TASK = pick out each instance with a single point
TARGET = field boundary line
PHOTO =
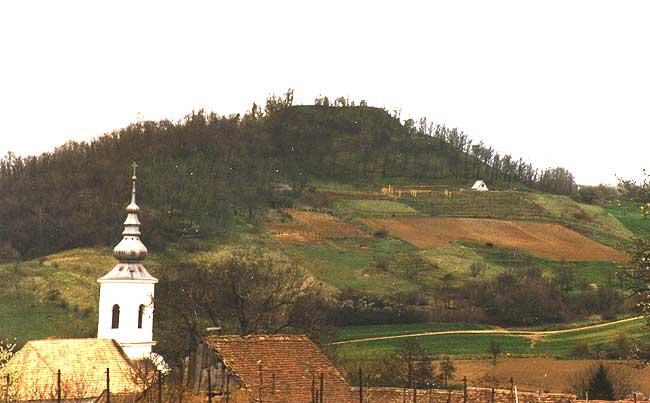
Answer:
(505, 332)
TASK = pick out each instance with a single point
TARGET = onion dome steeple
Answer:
(131, 248)
(126, 293)
(130, 251)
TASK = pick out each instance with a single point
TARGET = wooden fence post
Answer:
(58, 386)
(322, 387)
(210, 385)
(360, 386)
(464, 389)
(160, 386)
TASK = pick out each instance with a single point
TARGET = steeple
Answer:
(126, 292)
(131, 249)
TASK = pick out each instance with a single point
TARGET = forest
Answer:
(198, 173)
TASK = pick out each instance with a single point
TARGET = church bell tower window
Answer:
(115, 320)
(140, 315)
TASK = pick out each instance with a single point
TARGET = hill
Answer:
(57, 294)
(310, 184)
(201, 172)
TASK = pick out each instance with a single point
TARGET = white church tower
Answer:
(126, 292)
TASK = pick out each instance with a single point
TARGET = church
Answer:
(77, 368)
(127, 291)
(92, 370)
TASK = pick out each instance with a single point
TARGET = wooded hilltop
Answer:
(198, 172)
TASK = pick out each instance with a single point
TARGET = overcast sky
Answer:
(559, 83)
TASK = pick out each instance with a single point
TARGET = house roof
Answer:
(288, 365)
(82, 362)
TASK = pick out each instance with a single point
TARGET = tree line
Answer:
(198, 173)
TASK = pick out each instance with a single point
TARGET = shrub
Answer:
(581, 350)
(381, 233)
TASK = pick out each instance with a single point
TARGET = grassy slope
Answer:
(354, 263)
(629, 214)
(592, 221)
(57, 295)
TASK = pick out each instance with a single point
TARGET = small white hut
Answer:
(480, 186)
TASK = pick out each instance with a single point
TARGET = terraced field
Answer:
(541, 239)
(504, 204)
(373, 208)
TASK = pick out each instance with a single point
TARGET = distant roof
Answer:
(479, 184)
(82, 362)
(290, 360)
(133, 272)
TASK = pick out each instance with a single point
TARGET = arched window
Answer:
(140, 316)
(115, 321)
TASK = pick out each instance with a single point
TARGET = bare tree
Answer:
(247, 290)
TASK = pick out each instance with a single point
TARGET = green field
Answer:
(592, 221)
(498, 205)
(372, 208)
(629, 214)
(560, 344)
(361, 264)
(461, 344)
(361, 332)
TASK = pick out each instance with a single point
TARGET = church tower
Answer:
(126, 292)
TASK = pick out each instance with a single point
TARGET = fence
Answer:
(160, 388)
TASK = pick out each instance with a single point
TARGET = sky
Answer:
(559, 83)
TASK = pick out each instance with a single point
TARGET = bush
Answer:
(581, 350)
(381, 233)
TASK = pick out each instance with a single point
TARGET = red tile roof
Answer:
(288, 366)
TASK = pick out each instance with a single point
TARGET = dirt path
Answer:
(532, 334)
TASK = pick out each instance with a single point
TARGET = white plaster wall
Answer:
(129, 295)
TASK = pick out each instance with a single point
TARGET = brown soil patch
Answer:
(541, 373)
(541, 239)
(310, 227)
(326, 226)
(291, 233)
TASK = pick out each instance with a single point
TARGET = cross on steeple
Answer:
(135, 167)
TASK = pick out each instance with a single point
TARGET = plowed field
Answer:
(325, 225)
(545, 240)
(311, 227)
